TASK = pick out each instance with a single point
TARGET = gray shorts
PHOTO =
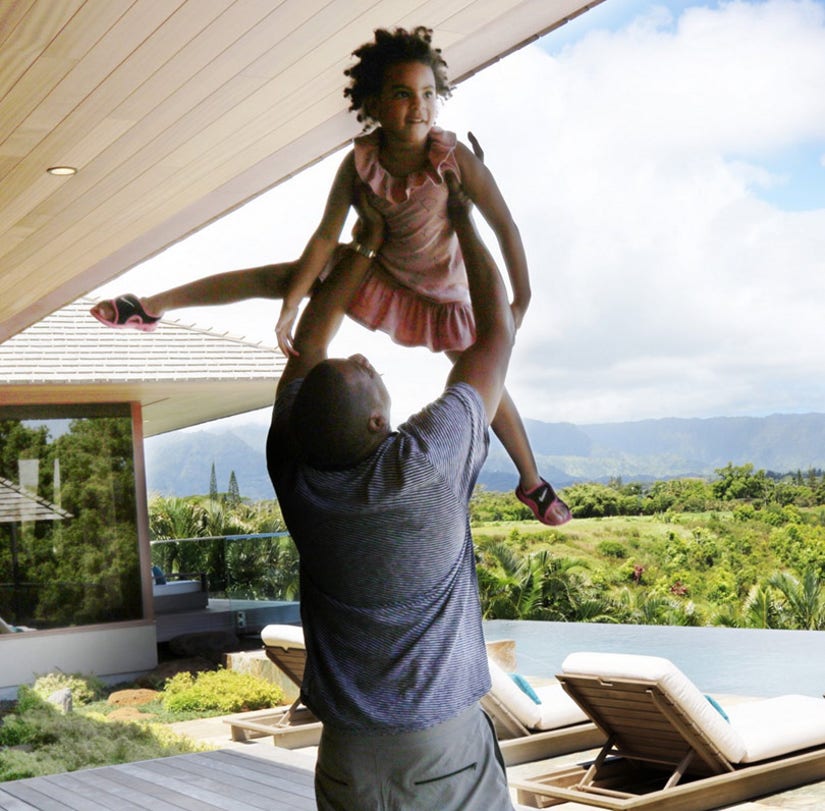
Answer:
(455, 766)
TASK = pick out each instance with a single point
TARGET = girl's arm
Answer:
(323, 315)
(318, 251)
(479, 183)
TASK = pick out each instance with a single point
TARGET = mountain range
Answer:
(180, 463)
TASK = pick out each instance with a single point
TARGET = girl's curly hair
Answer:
(390, 48)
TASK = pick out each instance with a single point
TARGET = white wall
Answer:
(112, 652)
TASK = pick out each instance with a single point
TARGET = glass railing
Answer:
(259, 566)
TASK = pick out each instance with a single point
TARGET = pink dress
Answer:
(416, 291)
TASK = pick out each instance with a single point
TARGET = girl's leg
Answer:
(509, 428)
(267, 281)
(532, 489)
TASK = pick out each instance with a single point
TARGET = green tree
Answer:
(740, 482)
(91, 572)
(233, 494)
(213, 485)
(761, 609)
(170, 519)
(802, 600)
(592, 500)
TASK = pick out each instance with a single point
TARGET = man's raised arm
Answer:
(484, 364)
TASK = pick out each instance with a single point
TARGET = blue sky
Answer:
(665, 163)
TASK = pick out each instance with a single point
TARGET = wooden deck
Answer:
(227, 780)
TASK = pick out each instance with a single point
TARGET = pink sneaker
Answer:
(545, 504)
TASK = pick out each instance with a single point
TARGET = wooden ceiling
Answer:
(174, 112)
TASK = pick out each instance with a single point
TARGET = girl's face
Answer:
(406, 106)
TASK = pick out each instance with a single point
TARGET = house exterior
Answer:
(124, 127)
(76, 401)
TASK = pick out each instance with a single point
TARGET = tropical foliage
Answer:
(242, 547)
(746, 549)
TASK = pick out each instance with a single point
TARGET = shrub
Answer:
(219, 691)
(85, 689)
(49, 742)
(612, 549)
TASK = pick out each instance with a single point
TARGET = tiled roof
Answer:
(70, 346)
(18, 504)
(181, 374)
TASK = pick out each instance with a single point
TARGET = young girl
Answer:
(416, 289)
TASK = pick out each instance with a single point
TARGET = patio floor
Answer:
(227, 780)
(249, 775)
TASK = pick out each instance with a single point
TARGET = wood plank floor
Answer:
(226, 780)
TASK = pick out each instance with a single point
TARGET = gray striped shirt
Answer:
(389, 597)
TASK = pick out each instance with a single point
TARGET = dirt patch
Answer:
(132, 698)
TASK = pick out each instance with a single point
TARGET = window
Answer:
(68, 531)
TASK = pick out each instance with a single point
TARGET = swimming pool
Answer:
(719, 660)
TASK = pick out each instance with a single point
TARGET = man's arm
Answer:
(484, 364)
(325, 311)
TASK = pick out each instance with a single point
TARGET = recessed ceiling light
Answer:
(62, 170)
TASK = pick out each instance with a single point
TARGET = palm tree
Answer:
(562, 592)
(169, 519)
(498, 566)
(760, 609)
(639, 607)
(803, 601)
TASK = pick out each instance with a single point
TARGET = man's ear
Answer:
(378, 423)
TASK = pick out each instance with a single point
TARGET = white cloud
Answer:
(662, 284)
(633, 161)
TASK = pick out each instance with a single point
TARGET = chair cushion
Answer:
(557, 709)
(283, 636)
(678, 687)
(525, 687)
(777, 726)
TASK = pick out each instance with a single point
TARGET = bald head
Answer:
(341, 412)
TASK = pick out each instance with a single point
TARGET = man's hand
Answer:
(518, 314)
(459, 204)
(479, 152)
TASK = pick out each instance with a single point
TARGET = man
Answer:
(396, 661)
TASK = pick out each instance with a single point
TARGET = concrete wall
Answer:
(114, 653)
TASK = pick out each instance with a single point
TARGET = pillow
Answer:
(525, 687)
(716, 706)
(283, 636)
(505, 691)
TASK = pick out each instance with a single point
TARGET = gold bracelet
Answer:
(363, 250)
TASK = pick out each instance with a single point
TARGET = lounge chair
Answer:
(671, 748)
(5, 628)
(529, 731)
(291, 727)
(526, 730)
